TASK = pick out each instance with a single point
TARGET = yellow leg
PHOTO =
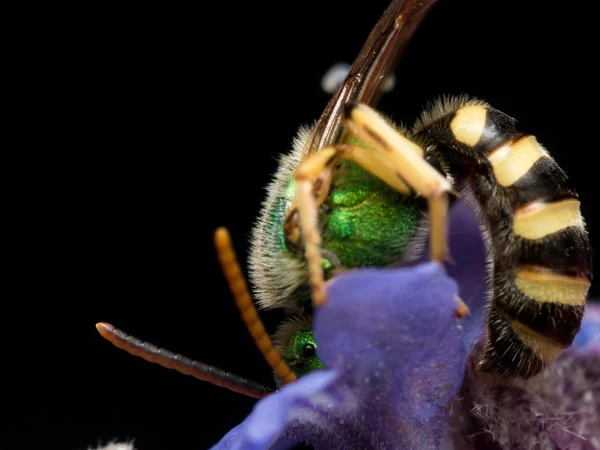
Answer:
(398, 162)
(406, 158)
(438, 218)
(313, 178)
(312, 240)
(461, 307)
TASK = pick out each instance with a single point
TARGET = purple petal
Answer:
(469, 267)
(588, 338)
(397, 355)
(272, 414)
(395, 339)
(396, 351)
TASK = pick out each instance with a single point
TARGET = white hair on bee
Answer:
(442, 106)
(274, 273)
(336, 74)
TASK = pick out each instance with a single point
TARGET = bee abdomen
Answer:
(542, 253)
(548, 302)
(513, 348)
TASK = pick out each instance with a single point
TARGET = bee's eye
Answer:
(308, 350)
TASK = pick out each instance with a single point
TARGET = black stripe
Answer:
(566, 250)
(439, 131)
(439, 134)
(556, 321)
(499, 129)
(505, 353)
(544, 181)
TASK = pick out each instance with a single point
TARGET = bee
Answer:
(358, 191)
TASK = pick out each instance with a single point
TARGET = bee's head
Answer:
(295, 341)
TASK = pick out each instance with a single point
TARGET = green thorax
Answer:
(366, 223)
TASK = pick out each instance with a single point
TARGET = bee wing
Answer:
(376, 60)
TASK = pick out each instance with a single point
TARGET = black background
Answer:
(130, 132)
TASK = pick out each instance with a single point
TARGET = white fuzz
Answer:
(275, 275)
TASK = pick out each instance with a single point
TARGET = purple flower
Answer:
(588, 338)
(396, 355)
(560, 409)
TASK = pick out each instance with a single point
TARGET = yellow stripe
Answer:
(546, 286)
(513, 160)
(540, 345)
(468, 124)
(539, 219)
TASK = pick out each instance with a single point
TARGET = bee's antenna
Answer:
(245, 304)
(180, 363)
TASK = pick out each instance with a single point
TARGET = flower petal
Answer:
(396, 351)
(271, 415)
(588, 338)
(395, 339)
(469, 267)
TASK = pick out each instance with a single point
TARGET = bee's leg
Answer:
(313, 178)
(406, 159)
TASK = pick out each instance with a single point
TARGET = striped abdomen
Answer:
(542, 254)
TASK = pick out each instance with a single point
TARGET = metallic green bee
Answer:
(278, 267)
(359, 191)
